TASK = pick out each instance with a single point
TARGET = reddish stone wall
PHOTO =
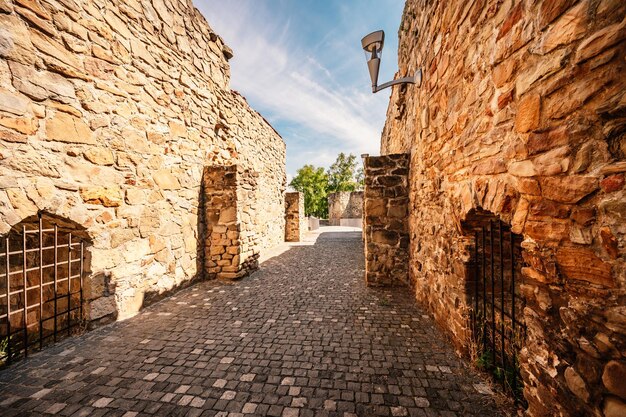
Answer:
(385, 223)
(521, 113)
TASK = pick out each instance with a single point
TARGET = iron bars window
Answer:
(41, 287)
(497, 323)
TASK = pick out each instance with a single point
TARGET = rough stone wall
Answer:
(521, 113)
(296, 224)
(109, 112)
(385, 228)
(344, 205)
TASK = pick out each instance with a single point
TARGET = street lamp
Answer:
(373, 47)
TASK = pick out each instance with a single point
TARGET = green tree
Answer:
(313, 183)
(342, 174)
(360, 179)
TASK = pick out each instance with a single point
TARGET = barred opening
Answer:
(42, 267)
(494, 279)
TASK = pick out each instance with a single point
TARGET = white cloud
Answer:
(290, 85)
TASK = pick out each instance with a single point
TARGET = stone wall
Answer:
(109, 112)
(521, 114)
(385, 228)
(296, 224)
(344, 205)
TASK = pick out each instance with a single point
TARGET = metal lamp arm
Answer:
(416, 79)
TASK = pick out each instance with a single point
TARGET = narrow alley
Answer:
(303, 336)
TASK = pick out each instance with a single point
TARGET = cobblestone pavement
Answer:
(301, 337)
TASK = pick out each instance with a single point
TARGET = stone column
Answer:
(231, 247)
(295, 222)
(385, 220)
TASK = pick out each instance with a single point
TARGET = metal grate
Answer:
(497, 325)
(41, 288)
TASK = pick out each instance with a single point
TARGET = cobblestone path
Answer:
(301, 337)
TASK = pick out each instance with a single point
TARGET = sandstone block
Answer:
(528, 113)
(106, 196)
(136, 249)
(101, 307)
(578, 263)
(385, 237)
(135, 196)
(99, 156)
(568, 189)
(612, 183)
(15, 41)
(121, 236)
(63, 127)
(40, 85)
(547, 230)
(543, 141)
(609, 242)
(601, 40)
(522, 168)
(228, 215)
(24, 125)
(614, 377)
(502, 73)
(550, 10)
(576, 384)
(570, 26)
(614, 407)
(22, 205)
(165, 180)
(12, 103)
(139, 50)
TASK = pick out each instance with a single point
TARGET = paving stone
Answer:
(194, 362)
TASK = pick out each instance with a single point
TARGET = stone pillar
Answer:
(231, 247)
(295, 222)
(385, 221)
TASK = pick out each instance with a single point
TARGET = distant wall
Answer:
(345, 205)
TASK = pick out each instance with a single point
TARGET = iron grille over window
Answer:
(41, 287)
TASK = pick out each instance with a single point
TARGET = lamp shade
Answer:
(374, 42)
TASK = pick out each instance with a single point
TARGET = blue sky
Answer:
(300, 63)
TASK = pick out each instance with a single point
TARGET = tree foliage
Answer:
(313, 183)
(341, 175)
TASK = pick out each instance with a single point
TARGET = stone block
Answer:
(578, 263)
(106, 196)
(63, 127)
(613, 378)
(102, 307)
(528, 113)
(568, 189)
(166, 180)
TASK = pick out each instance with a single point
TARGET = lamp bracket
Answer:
(415, 79)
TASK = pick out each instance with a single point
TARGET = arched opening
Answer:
(493, 288)
(43, 265)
